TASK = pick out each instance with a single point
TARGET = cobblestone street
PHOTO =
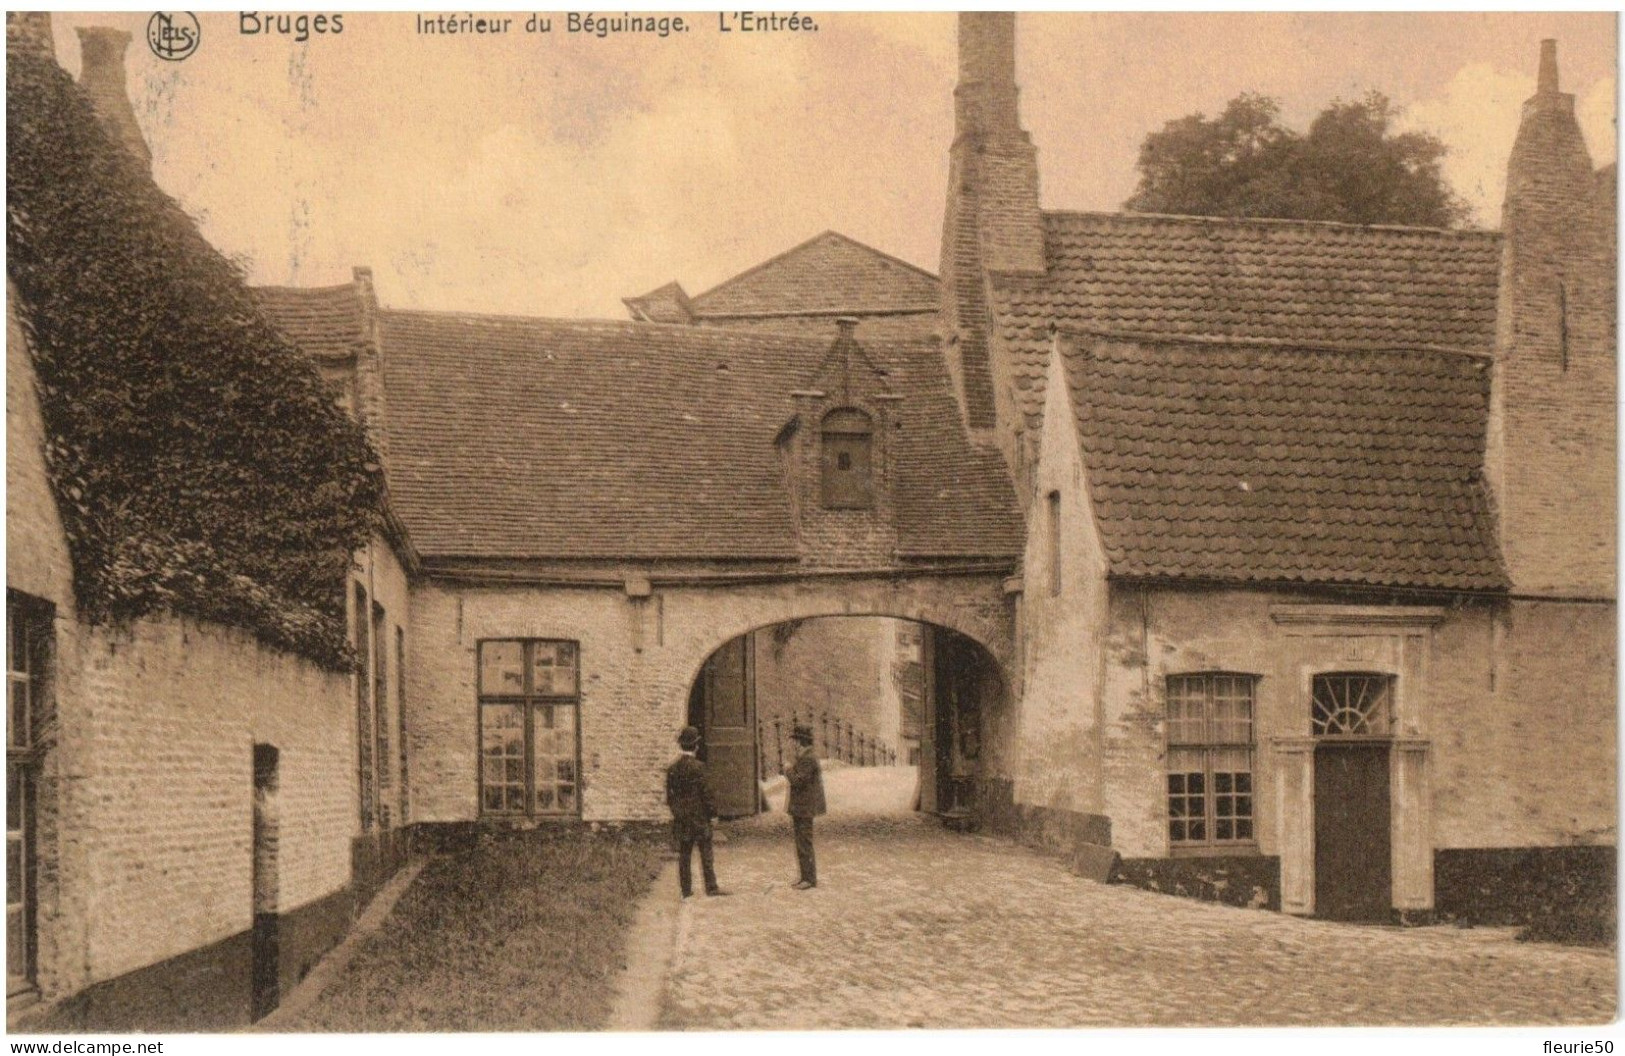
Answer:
(913, 926)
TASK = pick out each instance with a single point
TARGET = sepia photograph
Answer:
(658, 522)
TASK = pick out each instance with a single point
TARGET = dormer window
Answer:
(848, 442)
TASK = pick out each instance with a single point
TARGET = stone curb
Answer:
(651, 944)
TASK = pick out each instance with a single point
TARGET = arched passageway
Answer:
(916, 699)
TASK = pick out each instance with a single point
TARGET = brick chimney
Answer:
(30, 31)
(1550, 458)
(371, 405)
(102, 77)
(992, 222)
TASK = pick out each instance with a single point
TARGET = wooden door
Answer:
(265, 954)
(1353, 879)
(729, 728)
(930, 709)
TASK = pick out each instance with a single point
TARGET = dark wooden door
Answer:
(1352, 864)
(729, 728)
(265, 950)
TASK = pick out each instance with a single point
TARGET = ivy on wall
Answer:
(198, 461)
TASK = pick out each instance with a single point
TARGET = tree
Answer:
(1348, 167)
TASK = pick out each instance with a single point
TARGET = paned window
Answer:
(848, 439)
(1352, 704)
(363, 709)
(380, 717)
(529, 698)
(400, 714)
(1210, 759)
(28, 644)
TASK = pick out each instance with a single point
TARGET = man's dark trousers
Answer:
(804, 849)
(685, 863)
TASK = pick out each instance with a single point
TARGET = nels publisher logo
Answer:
(173, 35)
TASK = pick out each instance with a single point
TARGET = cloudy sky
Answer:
(555, 174)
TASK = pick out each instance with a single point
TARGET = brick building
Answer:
(194, 816)
(856, 681)
(1318, 602)
(1273, 558)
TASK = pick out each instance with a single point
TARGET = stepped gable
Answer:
(522, 438)
(1307, 282)
(1232, 463)
(324, 321)
(829, 274)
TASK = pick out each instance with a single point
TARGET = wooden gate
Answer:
(724, 709)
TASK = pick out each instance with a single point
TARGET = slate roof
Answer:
(1322, 284)
(325, 321)
(1226, 462)
(540, 438)
(829, 274)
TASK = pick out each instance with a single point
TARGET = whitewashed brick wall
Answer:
(173, 710)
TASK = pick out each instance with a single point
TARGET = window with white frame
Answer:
(1210, 759)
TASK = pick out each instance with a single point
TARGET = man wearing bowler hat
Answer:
(806, 803)
(689, 798)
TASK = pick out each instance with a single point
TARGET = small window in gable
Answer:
(848, 443)
(1055, 582)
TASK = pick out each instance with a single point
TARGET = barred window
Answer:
(1210, 759)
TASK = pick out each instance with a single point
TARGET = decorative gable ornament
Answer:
(840, 458)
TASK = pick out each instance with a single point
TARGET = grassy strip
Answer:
(524, 932)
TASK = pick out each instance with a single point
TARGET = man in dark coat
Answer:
(806, 802)
(689, 797)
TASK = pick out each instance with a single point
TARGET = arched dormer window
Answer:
(848, 454)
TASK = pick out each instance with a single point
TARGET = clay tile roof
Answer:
(668, 304)
(1311, 283)
(1274, 464)
(325, 321)
(830, 274)
(541, 438)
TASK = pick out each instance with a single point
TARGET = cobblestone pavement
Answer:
(914, 926)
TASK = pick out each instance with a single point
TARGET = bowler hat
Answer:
(802, 734)
(689, 739)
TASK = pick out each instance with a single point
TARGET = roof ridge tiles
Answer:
(335, 289)
(627, 326)
(827, 233)
(1267, 221)
(1284, 344)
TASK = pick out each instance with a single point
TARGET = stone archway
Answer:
(874, 692)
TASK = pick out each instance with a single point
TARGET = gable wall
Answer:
(1552, 436)
(1061, 634)
(872, 329)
